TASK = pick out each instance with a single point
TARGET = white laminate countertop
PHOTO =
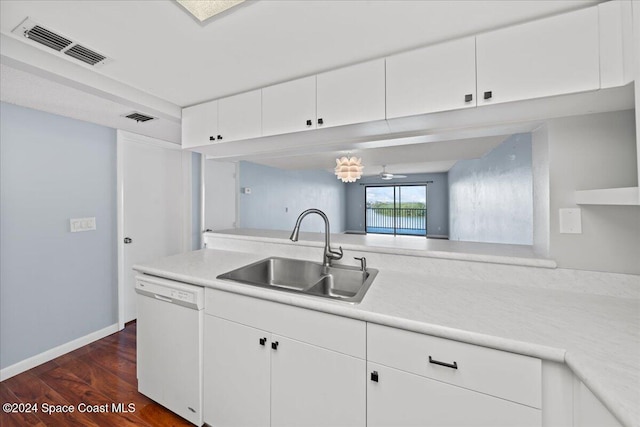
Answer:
(597, 336)
(403, 245)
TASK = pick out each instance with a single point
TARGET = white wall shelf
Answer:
(609, 196)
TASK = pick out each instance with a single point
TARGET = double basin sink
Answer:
(342, 283)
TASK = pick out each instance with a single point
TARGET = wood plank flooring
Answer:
(101, 373)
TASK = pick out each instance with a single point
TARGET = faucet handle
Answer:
(363, 262)
(336, 254)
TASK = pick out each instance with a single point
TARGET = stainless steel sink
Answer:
(291, 275)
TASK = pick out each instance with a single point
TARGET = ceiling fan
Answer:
(387, 176)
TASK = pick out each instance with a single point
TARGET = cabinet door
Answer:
(588, 411)
(436, 78)
(236, 374)
(240, 116)
(551, 56)
(289, 107)
(399, 398)
(351, 95)
(312, 386)
(199, 124)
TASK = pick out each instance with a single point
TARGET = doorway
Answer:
(396, 209)
(154, 210)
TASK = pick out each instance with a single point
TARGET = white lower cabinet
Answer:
(254, 375)
(421, 380)
(312, 386)
(588, 411)
(236, 375)
(272, 364)
(398, 398)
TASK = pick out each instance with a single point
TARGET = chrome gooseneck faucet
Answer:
(329, 255)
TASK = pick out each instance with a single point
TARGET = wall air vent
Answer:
(53, 40)
(139, 117)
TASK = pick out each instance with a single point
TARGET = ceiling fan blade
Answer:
(399, 176)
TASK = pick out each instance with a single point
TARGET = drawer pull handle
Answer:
(263, 341)
(374, 376)
(448, 365)
(274, 345)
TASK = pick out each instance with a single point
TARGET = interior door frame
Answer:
(124, 137)
(203, 196)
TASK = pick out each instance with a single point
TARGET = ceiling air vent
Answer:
(139, 117)
(85, 55)
(46, 37)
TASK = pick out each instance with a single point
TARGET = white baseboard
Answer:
(39, 359)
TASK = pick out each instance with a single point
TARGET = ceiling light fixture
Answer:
(348, 169)
(205, 9)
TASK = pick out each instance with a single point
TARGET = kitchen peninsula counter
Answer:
(596, 335)
(402, 245)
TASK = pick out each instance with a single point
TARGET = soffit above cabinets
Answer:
(32, 91)
(175, 59)
(413, 158)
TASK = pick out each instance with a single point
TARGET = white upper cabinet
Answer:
(435, 78)
(289, 107)
(551, 56)
(199, 124)
(351, 95)
(616, 43)
(240, 116)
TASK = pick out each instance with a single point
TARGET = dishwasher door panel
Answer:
(170, 356)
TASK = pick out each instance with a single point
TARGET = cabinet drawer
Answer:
(509, 376)
(399, 398)
(329, 331)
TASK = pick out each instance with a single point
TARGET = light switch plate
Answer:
(82, 224)
(570, 221)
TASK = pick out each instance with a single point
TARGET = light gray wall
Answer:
(279, 196)
(196, 200)
(55, 286)
(491, 198)
(585, 153)
(437, 201)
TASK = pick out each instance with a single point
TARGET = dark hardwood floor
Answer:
(100, 374)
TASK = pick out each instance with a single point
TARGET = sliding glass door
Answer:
(396, 209)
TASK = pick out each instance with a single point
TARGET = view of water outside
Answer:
(396, 209)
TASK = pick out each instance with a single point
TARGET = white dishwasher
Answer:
(169, 341)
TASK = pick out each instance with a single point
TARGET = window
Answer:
(396, 209)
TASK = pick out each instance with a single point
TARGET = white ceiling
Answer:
(159, 49)
(162, 59)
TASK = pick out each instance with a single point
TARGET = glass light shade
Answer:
(348, 169)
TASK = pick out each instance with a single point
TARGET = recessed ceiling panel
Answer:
(203, 10)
